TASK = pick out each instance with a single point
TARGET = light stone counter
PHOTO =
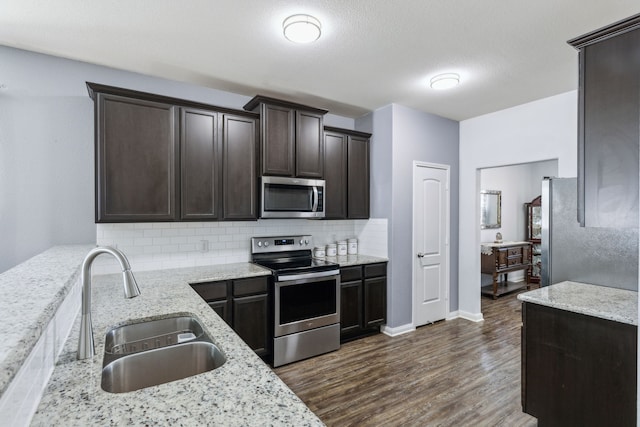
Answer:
(614, 304)
(348, 260)
(31, 293)
(242, 392)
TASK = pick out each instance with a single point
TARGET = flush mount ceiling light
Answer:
(301, 28)
(445, 81)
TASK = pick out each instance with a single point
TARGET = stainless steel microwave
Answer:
(283, 197)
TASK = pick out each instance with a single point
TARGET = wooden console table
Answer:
(501, 259)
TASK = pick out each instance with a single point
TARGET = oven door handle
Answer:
(313, 275)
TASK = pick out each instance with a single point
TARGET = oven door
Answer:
(306, 303)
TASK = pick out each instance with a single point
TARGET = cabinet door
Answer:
(309, 145)
(251, 322)
(358, 178)
(223, 310)
(350, 307)
(200, 164)
(239, 166)
(375, 301)
(609, 147)
(335, 166)
(136, 154)
(277, 140)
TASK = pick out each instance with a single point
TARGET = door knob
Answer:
(421, 255)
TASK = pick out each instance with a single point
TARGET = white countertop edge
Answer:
(619, 305)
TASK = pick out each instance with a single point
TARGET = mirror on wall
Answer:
(490, 207)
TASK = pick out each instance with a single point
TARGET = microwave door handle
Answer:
(314, 199)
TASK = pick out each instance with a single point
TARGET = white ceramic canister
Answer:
(318, 252)
(342, 247)
(352, 246)
(331, 249)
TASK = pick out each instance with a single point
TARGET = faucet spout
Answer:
(86, 346)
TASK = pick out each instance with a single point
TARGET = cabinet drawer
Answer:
(514, 260)
(348, 274)
(515, 251)
(251, 286)
(375, 270)
(211, 291)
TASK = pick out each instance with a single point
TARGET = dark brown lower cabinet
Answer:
(577, 370)
(363, 300)
(244, 305)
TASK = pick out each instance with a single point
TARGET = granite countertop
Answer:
(31, 294)
(244, 391)
(619, 305)
(348, 260)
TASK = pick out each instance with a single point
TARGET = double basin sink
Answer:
(155, 352)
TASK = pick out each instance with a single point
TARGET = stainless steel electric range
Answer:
(306, 298)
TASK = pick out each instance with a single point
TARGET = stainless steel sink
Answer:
(152, 334)
(157, 352)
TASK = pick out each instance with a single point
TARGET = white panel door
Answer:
(430, 243)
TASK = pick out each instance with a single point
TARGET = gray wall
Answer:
(414, 135)
(46, 146)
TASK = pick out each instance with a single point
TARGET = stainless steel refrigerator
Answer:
(599, 256)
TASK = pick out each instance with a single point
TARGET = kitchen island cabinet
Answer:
(579, 355)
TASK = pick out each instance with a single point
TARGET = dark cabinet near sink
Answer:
(244, 305)
(167, 159)
(136, 155)
(363, 299)
(346, 159)
(291, 139)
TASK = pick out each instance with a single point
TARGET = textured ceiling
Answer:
(371, 53)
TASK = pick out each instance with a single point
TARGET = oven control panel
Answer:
(280, 243)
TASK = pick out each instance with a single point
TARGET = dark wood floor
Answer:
(452, 373)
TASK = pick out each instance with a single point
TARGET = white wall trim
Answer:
(453, 315)
(397, 330)
(474, 317)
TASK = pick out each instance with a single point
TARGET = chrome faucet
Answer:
(86, 348)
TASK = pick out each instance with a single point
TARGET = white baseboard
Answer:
(398, 330)
(474, 317)
(452, 315)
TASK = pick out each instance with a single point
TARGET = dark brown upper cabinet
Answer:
(167, 159)
(608, 125)
(136, 157)
(239, 165)
(200, 164)
(291, 138)
(347, 173)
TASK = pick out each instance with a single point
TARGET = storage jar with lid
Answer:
(342, 247)
(352, 246)
(331, 249)
(318, 252)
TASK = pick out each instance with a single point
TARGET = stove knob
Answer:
(259, 244)
(306, 241)
(266, 244)
(301, 242)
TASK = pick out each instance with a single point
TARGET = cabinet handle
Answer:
(421, 255)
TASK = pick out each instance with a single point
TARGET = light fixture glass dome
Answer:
(445, 81)
(301, 28)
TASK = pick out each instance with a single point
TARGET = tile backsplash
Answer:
(161, 245)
